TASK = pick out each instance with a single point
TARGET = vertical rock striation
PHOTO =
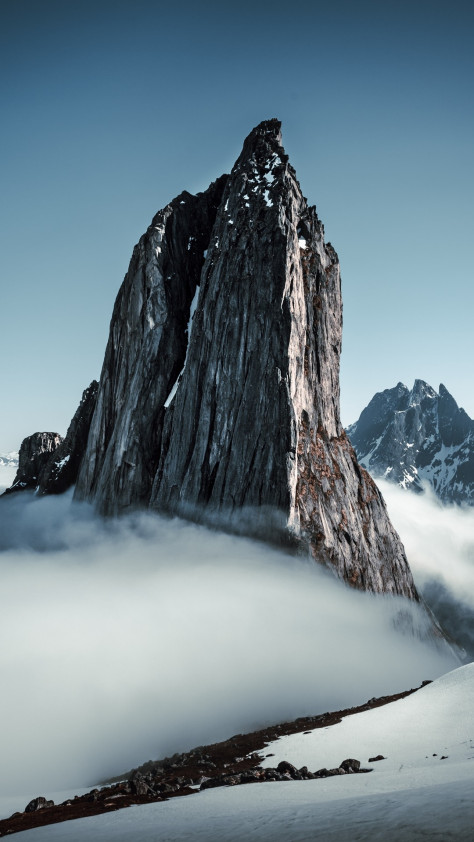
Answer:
(255, 423)
(236, 420)
(145, 352)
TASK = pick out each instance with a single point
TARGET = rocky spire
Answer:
(231, 415)
(253, 436)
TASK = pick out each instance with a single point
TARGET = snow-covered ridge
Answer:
(418, 437)
(422, 789)
(412, 733)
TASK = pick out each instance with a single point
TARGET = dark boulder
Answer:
(350, 765)
(38, 804)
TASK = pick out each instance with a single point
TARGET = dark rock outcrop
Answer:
(38, 804)
(415, 437)
(237, 421)
(35, 453)
(48, 464)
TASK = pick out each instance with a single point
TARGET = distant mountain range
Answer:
(417, 437)
(9, 459)
(8, 468)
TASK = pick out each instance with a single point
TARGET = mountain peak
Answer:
(263, 142)
(422, 437)
(268, 129)
(422, 389)
(219, 393)
(443, 391)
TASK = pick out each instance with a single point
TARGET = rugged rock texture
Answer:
(417, 436)
(62, 468)
(48, 464)
(146, 352)
(34, 455)
(237, 421)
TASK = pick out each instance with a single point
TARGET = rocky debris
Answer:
(418, 436)
(379, 756)
(219, 392)
(48, 464)
(38, 804)
(234, 761)
(34, 455)
(284, 772)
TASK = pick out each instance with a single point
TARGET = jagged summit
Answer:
(268, 131)
(416, 437)
(421, 390)
(219, 394)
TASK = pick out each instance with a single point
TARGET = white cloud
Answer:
(128, 640)
(439, 542)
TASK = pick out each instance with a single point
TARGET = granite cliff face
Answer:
(418, 436)
(219, 394)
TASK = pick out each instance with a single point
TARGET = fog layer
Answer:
(439, 542)
(132, 639)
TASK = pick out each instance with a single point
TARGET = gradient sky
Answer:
(110, 109)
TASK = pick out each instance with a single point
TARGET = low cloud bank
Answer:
(132, 639)
(439, 542)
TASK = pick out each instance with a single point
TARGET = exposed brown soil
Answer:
(175, 776)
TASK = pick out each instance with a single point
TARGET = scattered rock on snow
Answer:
(38, 804)
(350, 765)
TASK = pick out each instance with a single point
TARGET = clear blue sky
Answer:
(110, 109)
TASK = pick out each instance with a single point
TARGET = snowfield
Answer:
(413, 794)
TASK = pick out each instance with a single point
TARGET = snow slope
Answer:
(411, 795)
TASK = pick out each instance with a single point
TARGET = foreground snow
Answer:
(412, 794)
